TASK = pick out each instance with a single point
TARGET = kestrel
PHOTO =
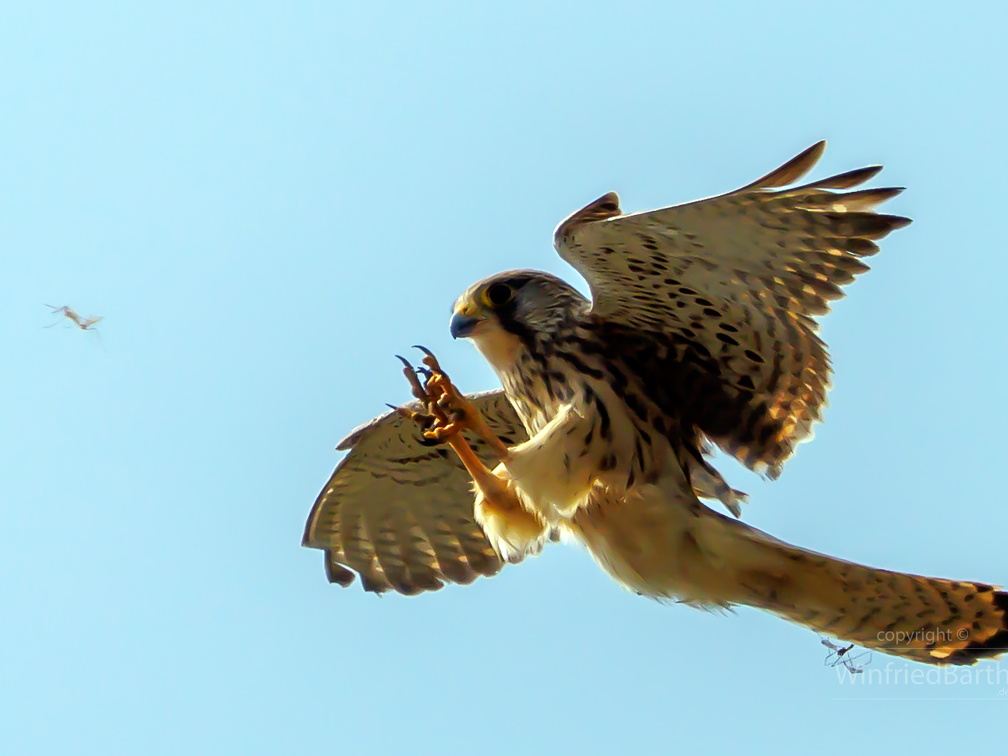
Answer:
(700, 332)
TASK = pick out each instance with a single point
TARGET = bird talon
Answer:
(423, 441)
(430, 360)
(420, 418)
(446, 411)
(418, 390)
(442, 419)
(443, 432)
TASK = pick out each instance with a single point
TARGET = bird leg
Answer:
(457, 411)
(446, 414)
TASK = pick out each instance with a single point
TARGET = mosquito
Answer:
(840, 656)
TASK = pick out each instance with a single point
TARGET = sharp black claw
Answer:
(424, 349)
(391, 406)
(404, 361)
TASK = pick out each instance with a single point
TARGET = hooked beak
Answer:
(462, 325)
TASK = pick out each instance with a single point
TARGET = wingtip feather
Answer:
(791, 171)
(336, 573)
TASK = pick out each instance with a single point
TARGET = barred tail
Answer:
(698, 556)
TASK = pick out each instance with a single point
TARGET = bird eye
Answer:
(498, 294)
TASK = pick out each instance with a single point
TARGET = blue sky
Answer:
(267, 201)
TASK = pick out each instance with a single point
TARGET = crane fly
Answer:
(85, 324)
(841, 656)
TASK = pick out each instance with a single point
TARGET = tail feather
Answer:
(926, 619)
(693, 554)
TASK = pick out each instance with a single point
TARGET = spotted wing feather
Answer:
(400, 514)
(738, 279)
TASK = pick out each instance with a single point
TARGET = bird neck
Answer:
(537, 380)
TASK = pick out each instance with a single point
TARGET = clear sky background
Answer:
(266, 201)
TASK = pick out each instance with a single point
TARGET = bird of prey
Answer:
(701, 332)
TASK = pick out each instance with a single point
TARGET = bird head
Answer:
(507, 311)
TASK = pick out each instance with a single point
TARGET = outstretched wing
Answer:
(731, 284)
(400, 514)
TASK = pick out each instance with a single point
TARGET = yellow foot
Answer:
(446, 407)
(446, 412)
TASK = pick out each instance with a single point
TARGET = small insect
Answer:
(85, 324)
(841, 656)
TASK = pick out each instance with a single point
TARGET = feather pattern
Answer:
(400, 514)
(738, 278)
